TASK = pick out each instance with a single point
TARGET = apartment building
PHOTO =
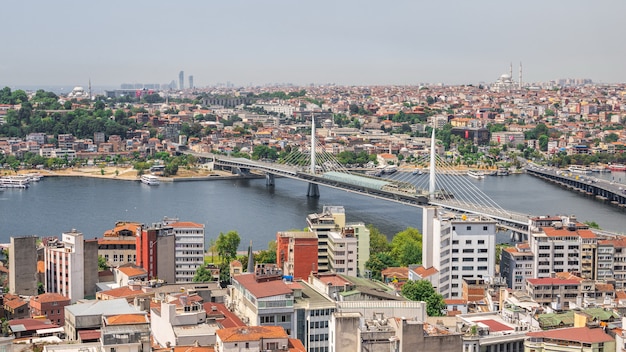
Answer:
(564, 248)
(332, 218)
(23, 265)
(189, 249)
(49, 305)
(458, 247)
(71, 266)
(296, 253)
(118, 245)
(342, 251)
(516, 265)
(262, 298)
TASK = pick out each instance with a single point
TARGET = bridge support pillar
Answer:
(313, 191)
(269, 180)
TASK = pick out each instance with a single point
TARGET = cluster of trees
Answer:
(404, 249)
(352, 158)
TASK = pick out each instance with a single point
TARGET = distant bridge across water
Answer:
(436, 184)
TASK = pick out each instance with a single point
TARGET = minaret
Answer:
(90, 89)
(250, 259)
(511, 70)
(520, 75)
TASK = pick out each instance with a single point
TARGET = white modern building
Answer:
(458, 247)
(333, 219)
(71, 266)
(342, 251)
(189, 249)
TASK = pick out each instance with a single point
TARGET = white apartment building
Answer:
(189, 249)
(64, 266)
(459, 247)
(555, 250)
(333, 218)
(342, 251)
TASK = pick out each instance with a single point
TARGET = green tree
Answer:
(422, 290)
(592, 224)
(227, 245)
(379, 262)
(102, 263)
(202, 275)
(267, 255)
(406, 247)
(378, 241)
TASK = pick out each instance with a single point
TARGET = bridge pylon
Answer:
(313, 191)
(269, 180)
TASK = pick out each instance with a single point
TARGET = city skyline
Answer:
(344, 43)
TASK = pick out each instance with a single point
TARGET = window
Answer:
(468, 241)
(481, 241)
(484, 228)
(468, 228)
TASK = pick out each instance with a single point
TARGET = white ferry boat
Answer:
(14, 182)
(579, 169)
(150, 180)
(476, 174)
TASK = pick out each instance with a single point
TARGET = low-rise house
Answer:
(125, 332)
(88, 315)
(256, 339)
(569, 339)
(49, 305)
(182, 322)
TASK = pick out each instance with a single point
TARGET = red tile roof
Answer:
(262, 289)
(495, 326)
(222, 315)
(251, 333)
(563, 232)
(186, 224)
(123, 319)
(425, 272)
(584, 334)
(553, 281)
(89, 335)
(50, 297)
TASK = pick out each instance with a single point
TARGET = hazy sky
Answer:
(287, 41)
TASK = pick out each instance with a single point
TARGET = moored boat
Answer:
(476, 174)
(579, 169)
(150, 180)
(14, 182)
(617, 167)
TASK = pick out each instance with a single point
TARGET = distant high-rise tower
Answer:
(190, 81)
(181, 80)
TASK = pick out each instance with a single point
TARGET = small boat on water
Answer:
(617, 167)
(476, 174)
(150, 180)
(502, 171)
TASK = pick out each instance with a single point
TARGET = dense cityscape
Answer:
(336, 285)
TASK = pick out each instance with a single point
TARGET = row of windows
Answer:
(470, 241)
(130, 257)
(318, 324)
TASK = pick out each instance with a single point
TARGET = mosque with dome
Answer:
(506, 83)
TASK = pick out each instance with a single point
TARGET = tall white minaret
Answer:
(520, 75)
(511, 70)
(90, 96)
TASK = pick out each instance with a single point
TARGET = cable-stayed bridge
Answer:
(433, 182)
